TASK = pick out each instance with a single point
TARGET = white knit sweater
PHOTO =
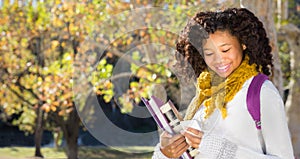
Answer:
(236, 136)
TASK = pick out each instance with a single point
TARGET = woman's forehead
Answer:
(220, 39)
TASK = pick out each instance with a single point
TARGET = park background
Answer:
(60, 57)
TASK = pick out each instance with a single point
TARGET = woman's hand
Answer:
(173, 146)
(193, 136)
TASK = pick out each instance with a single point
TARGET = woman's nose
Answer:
(218, 58)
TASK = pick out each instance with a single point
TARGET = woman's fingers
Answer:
(176, 137)
(166, 139)
(194, 131)
(193, 137)
(173, 147)
(182, 148)
(177, 143)
(177, 148)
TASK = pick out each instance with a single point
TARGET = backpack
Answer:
(253, 104)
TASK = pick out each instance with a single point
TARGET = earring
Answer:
(244, 46)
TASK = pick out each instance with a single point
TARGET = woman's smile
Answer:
(223, 68)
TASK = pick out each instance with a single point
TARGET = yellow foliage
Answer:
(57, 2)
(55, 103)
(58, 22)
(54, 44)
(142, 73)
(46, 107)
(63, 44)
(53, 108)
(108, 84)
(67, 95)
(62, 113)
(99, 92)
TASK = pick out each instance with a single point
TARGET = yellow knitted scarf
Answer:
(215, 92)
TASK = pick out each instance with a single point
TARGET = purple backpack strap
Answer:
(253, 98)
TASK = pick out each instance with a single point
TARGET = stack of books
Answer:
(168, 119)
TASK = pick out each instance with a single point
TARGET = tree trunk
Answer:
(35, 45)
(38, 135)
(71, 131)
(292, 36)
(263, 9)
(72, 147)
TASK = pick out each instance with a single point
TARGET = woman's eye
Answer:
(208, 53)
(226, 50)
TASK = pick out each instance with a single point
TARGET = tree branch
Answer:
(19, 96)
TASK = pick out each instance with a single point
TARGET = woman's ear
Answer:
(244, 46)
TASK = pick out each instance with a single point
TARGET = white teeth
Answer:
(223, 68)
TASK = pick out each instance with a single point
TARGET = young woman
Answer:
(226, 50)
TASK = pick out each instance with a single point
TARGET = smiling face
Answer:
(222, 53)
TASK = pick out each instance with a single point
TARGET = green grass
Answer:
(84, 153)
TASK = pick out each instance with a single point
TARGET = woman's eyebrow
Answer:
(207, 49)
(225, 44)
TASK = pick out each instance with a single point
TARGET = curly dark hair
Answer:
(239, 22)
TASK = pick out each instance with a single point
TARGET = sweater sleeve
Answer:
(274, 129)
(217, 147)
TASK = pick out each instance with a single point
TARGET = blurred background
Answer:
(72, 73)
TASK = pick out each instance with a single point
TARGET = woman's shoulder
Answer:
(268, 90)
(269, 95)
(266, 86)
(269, 85)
